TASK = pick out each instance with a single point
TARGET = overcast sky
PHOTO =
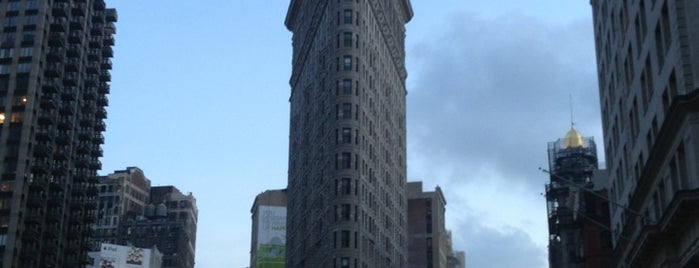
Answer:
(200, 94)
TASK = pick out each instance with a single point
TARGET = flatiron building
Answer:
(347, 200)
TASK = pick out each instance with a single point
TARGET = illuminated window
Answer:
(2, 118)
(17, 117)
(22, 100)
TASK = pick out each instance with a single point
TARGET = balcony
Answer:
(53, 69)
(111, 15)
(46, 117)
(70, 79)
(63, 137)
(50, 85)
(72, 65)
(108, 41)
(65, 123)
(58, 24)
(74, 49)
(94, 54)
(107, 52)
(101, 113)
(105, 76)
(34, 201)
(91, 80)
(98, 139)
(55, 200)
(40, 168)
(57, 185)
(98, 17)
(54, 54)
(31, 234)
(60, 9)
(89, 95)
(92, 67)
(66, 110)
(43, 150)
(47, 102)
(60, 168)
(103, 88)
(79, 9)
(100, 126)
(68, 94)
(102, 101)
(77, 24)
(54, 215)
(99, 5)
(96, 164)
(57, 39)
(44, 134)
(96, 30)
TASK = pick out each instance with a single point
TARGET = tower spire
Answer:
(570, 99)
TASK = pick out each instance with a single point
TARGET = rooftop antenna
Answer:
(570, 98)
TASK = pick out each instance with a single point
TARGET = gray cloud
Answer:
(485, 97)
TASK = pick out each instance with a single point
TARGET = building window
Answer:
(347, 63)
(29, 20)
(26, 52)
(347, 15)
(12, 21)
(28, 36)
(346, 160)
(346, 111)
(345, 242)
(347, 86)
(32, 4)
(5, 69)
(8, 38)
(345, 212)
(346, 187)
(346, 135)
(5, 53)
(347, 39)
(13, 6)
(24, 67)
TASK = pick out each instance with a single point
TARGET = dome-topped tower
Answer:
(573, 139)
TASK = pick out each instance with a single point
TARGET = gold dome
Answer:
(573, 139)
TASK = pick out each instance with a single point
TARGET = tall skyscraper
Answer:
(648, 68)
(578, 214)
(347, 158)
(54, 74)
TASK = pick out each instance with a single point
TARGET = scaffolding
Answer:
(571, 167)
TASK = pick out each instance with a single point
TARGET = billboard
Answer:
(115, 256)
(271, 237)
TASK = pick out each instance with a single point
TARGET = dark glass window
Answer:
(346, 111)
(347, 86)
(346, 135)
(347, 39)
(347, 15)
